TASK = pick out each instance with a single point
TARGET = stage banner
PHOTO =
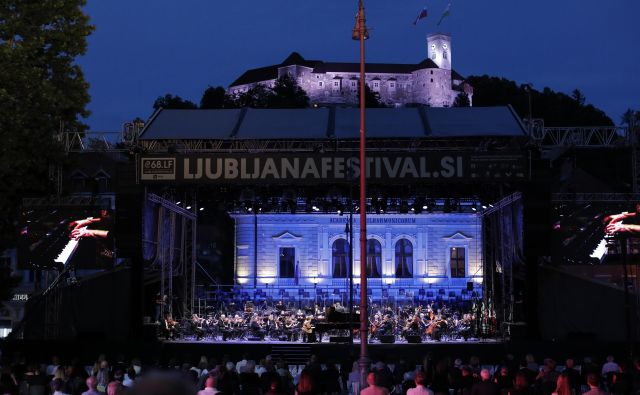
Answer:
(314, 168)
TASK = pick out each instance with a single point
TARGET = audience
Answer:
(273, 376)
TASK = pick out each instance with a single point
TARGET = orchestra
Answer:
(433, 322)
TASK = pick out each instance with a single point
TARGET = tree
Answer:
(578, 96)
(286, 93)
(462, 100)
(371, 98)
(259, 96)
(556, 108)
(169, 101)
(42, 90)
(216, 98)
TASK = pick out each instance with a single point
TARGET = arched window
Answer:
(340, 258)
(404, 259)
(374, 259)
(444, 55)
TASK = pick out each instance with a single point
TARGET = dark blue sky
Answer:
(143, 49)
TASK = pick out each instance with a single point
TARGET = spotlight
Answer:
(201, 208)
(178, 202)
(188, 207)
(249, 209)
(484, 207)
(425, 207)
(340, 212)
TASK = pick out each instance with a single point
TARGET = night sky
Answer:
(143, 49)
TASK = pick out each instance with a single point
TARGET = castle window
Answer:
(353, 84)
(376, 85)
(374, 258)
(320, 84)
(404, 259)
(336, 84)
(431, 72)
(340, 258)
(287, 262)
(433, 55)
(444, 55)
(431, 79)
(392, 85)
(457, 261)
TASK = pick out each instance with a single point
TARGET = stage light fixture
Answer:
(178, 203)
(201, 208)
(484, 207)
(188, 207)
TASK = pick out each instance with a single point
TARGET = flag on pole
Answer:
(444, 14)
(421, 15)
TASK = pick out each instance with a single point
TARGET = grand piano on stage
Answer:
(337, 322)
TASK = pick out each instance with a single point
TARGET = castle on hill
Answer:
(431, 82)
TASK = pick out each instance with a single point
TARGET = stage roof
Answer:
(333, 123)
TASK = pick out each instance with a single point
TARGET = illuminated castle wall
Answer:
(432, 81)
(408, 251)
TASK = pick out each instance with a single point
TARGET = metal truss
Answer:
(584, 137)
(175, 253)
(329, 145)
(595, 197)
(73, 200)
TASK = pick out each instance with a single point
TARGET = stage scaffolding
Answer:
(173, 250)
(503, 257)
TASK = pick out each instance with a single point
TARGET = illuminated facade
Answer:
(406, 252)
(432, 82)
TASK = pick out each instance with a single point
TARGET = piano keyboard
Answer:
(600, 251)
(67, 252)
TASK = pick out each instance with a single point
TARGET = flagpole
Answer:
(364, 363)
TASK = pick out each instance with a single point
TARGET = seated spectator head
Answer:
(355, 367)
(59, 373)
(118, 375)
(131, 372)
(250, 367)
(56, 385)
(161, 384)
(420, 378)
(610, 358)
(520, 382)
(504, 371)
(593, 380)
(210, 382)
(114, 388)
(485, 375)
(457, 363)
(569, 363)
(92, 383)
(371, 378)
(305, 383)
(274, 385)
(466, 371)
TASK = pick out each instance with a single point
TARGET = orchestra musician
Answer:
(307, 330)
(197, 325)
(170, 326)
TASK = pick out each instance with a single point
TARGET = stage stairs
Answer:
(292, 354)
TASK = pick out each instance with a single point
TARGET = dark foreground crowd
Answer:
(269, 376)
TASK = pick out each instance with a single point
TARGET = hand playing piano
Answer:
(81, 223)
(618, 227)
(611, 219)
(84, 232)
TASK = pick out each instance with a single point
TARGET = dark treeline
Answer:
(556, 108)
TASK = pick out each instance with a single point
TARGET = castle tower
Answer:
(439, 49)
